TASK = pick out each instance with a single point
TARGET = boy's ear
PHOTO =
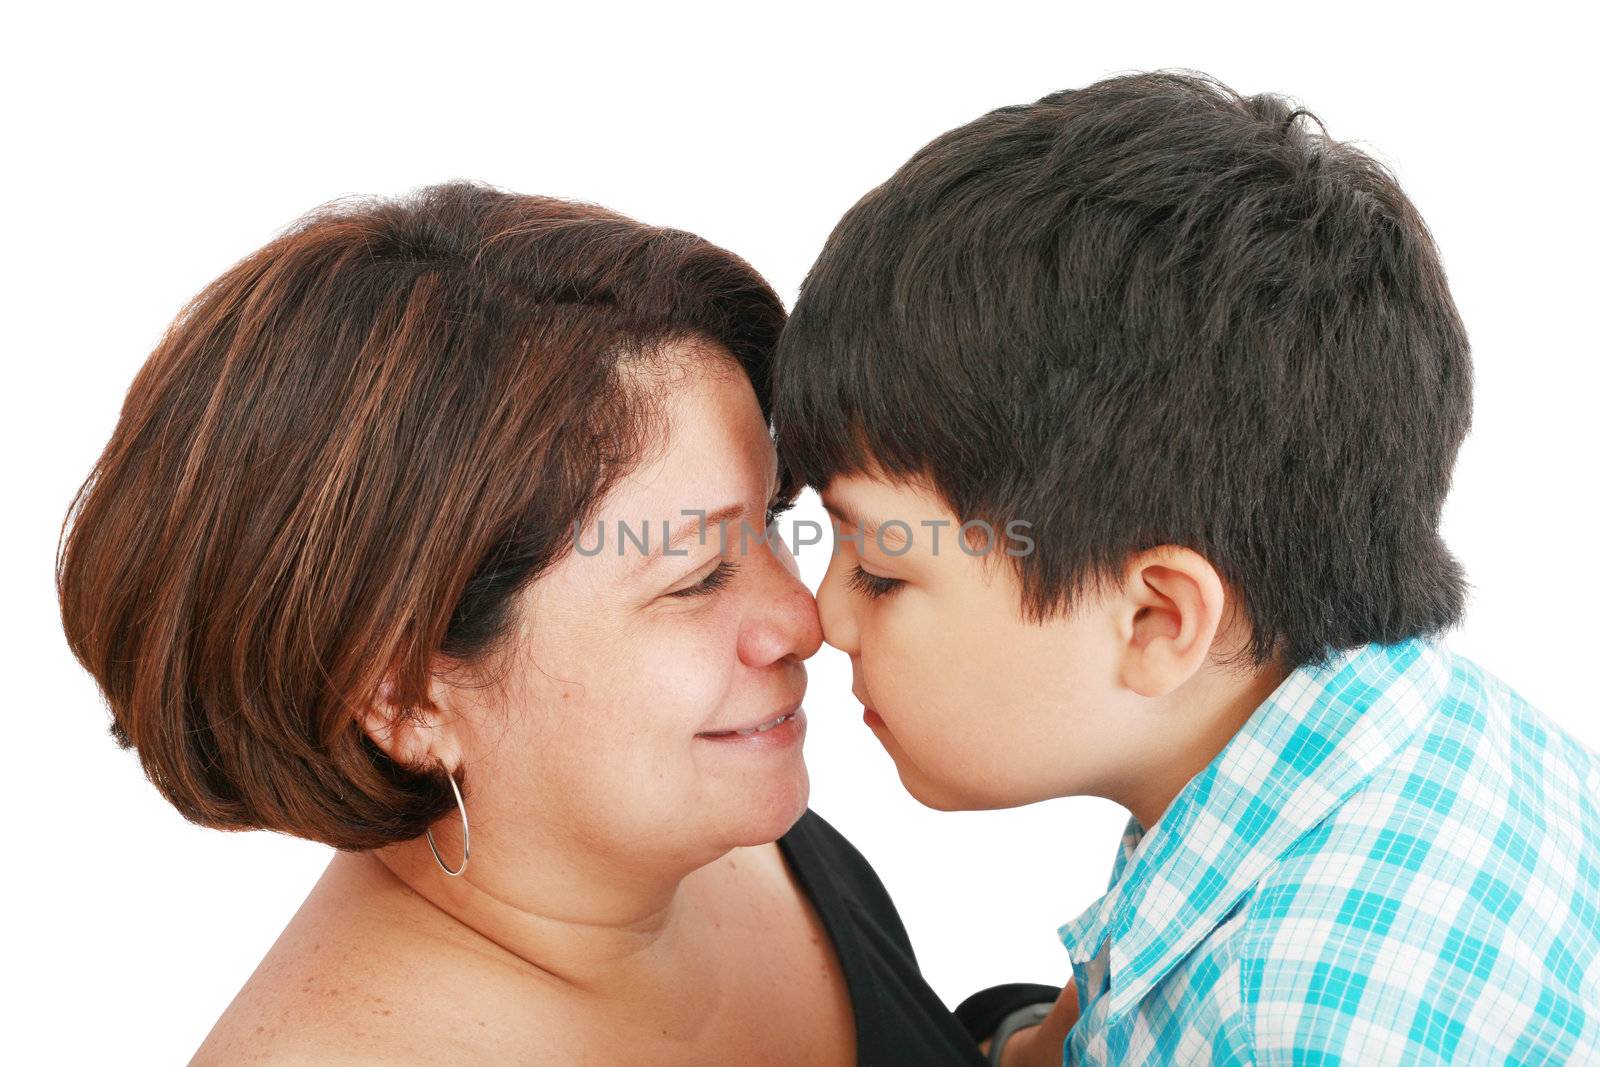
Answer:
(420, 737)
(1172, 605)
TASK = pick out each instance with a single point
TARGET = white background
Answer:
(148, 149)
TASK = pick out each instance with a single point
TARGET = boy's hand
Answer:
(1041, 1046)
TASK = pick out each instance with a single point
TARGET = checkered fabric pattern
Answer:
(1395, 861)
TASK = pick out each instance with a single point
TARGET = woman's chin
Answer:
(762, 815)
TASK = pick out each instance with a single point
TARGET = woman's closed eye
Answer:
(719, 576)
(872, 586)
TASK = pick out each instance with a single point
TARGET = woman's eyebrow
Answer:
(698, 523)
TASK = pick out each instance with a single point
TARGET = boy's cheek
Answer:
(953, 743)
(974, 717)
(926, 787)
(924, 772)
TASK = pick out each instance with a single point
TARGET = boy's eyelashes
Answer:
(872, 586)
(778, 506)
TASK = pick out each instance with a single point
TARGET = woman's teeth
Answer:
(761, 729)
(764, 727)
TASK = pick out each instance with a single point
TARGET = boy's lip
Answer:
(868, 716)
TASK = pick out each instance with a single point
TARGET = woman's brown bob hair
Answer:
(341, 464)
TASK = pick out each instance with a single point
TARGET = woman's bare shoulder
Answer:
(335, 1002)
(355, 986)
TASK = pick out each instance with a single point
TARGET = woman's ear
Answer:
(420, 737)
(1172, 606)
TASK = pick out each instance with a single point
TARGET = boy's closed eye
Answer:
(872, 586)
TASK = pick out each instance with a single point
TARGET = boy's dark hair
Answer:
(1152, 311)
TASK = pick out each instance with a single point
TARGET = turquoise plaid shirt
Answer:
(1395, 861)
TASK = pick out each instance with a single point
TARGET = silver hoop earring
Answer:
(466, 840)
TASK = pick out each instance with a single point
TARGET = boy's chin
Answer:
(944, 793)
(941, 796)
(955, 795)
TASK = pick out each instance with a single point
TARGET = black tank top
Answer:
(899, 1019)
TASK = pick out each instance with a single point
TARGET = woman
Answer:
(353, 567)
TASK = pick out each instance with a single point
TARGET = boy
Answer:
(1179, 381)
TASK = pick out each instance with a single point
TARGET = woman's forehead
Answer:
(715, 448)
(714, 457)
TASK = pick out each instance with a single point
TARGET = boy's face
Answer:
(978, 707)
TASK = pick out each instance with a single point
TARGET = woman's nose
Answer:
(783, 620)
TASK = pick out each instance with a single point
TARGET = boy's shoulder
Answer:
(1451, 903)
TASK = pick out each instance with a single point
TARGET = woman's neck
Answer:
(593, 928)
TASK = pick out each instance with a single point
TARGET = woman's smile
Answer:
(782, 730)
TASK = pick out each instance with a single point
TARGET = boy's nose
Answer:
(836, 611)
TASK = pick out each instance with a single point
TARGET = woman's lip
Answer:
(755, 729)
(870, 717)
(788, 732)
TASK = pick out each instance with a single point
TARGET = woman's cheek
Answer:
(685, 676)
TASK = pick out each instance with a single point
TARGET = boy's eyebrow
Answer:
(891, 537)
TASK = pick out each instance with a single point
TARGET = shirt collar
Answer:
(1320, 735)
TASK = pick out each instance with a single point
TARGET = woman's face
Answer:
(633, 665)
